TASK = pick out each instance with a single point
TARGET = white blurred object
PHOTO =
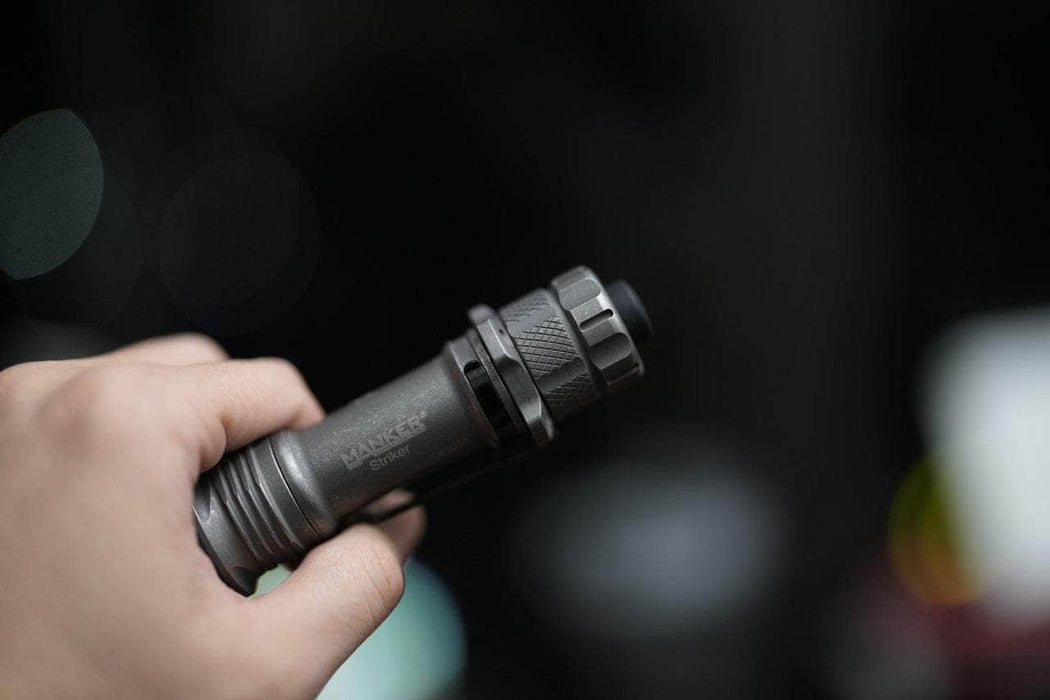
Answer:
(678, 538)
(987, 410)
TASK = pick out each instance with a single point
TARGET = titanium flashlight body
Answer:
(501, 387)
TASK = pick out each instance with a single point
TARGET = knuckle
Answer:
(287, 369)
(23, 374)
(100, 385)
(94, 398)
(202, 345)
(12, 387)
(12, 380)
(22, 384)
(289, 376)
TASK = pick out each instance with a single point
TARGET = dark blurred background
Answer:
(805, 194)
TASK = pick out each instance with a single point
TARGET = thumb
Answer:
(340, 593)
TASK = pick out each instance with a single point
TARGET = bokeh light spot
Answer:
(97, 281)
(51, 182)
(923, 542)
(238, 243)
(680, 539)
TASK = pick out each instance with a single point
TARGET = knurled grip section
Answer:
(552, 355)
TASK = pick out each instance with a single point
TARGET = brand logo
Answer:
(379, 444)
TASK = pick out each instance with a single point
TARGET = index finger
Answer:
(232, 403)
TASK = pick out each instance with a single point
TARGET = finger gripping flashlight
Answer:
(498, 389)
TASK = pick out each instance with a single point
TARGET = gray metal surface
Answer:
(516, 377)
(388, 437)
(610, 347)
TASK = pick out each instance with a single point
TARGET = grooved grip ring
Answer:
(242, 506)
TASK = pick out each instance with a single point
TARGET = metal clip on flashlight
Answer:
(500, 387)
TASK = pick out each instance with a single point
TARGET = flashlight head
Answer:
(578, 339)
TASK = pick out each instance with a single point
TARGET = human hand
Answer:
(103, 588)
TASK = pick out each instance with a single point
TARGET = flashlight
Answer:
(495, 393)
